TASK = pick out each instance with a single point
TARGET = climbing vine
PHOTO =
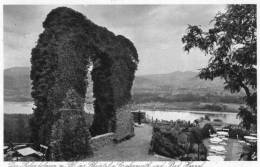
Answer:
(59, 60)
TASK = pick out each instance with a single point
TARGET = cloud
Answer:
(156, 31)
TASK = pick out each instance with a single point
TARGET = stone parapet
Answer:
(101, 140)
(124, 124)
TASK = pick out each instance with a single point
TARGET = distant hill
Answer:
(181, 87)
(17, 84)
(179, 82)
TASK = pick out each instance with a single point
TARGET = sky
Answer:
(155, 30)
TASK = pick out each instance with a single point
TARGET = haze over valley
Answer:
(176, 90)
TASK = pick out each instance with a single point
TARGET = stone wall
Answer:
(100, 141)
(68, 44)
(124, 124)
(124, 130)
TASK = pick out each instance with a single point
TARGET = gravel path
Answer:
(134, 149)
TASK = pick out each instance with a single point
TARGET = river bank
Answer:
(26, 107)
(195, 106)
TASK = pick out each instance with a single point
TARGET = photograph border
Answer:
(114, 163)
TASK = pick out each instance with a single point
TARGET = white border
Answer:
(114, 164)
(78, 2)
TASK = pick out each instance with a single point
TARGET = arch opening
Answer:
(69, 45)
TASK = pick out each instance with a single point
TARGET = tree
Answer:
(231, 43)
(21, 129)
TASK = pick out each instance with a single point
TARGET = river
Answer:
(18, 107)
(188, 115)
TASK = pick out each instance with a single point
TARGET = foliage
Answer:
(59, 64)
(70, 137)
(237, 132)
(249, 153)
(103, 96)
(144, 97)
(179, 140)
(206, 130)
(113, 76)
(69, 134)
(16, 128)
(231, 43)
(15, 133)
(247, 117)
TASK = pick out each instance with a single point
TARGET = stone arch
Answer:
(67, 45)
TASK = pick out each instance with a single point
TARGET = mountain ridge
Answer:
(17, 84)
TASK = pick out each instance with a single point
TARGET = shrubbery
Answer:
(206, 130)
(16, 128)
(179, 140)
(235, 131)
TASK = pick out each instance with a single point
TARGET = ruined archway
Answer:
(63, 51)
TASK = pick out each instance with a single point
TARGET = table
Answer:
(222, 133)
(251, 139)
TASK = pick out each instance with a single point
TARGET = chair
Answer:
(226, 130)
(42, 152)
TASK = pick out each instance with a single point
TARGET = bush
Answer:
(235, 131)
(178, 140)
(205, 130)
(16, 128)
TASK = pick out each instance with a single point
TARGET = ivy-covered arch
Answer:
(59, 70)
